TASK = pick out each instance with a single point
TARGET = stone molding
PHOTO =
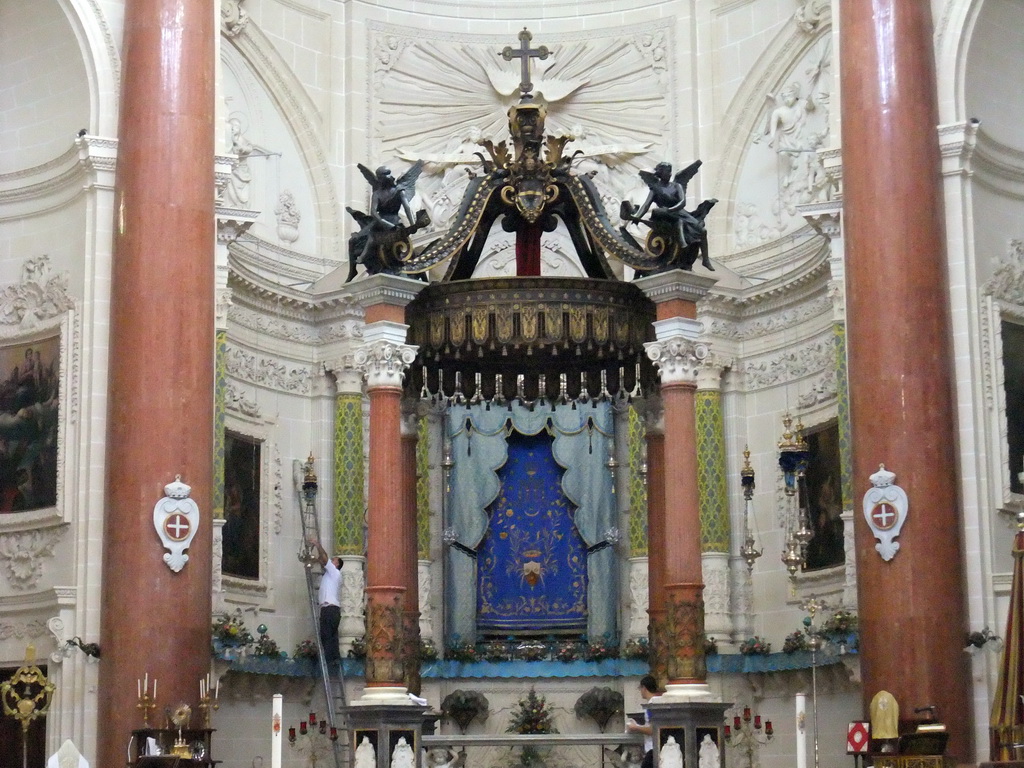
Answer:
(783, 366)
(24, 553)
(267, 372)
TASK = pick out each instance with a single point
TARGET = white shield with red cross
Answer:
(885, 510)
(176, 518)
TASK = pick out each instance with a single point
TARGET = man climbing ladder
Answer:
(330, 609)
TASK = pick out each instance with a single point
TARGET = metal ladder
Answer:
(334, 688)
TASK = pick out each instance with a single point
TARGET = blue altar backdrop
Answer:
(532, 563)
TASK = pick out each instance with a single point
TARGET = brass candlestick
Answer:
(207, 703)
(146, 703)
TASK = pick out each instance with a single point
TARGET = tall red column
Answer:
(383, 358)
(160, 413)
(658, 642)
(410, 556)
(677, 353)
(912, 607)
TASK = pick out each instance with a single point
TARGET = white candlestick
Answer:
(217, 694)
(154, 688)
(277, 731)
(145, 684)
(138, 684)
(801, 730)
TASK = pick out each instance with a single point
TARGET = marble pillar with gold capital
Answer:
(678, 354)
(383, 359)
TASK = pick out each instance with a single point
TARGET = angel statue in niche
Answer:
(382, 242)
(677, 235)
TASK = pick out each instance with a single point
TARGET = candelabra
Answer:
(317, 742)
(208, 700)
(746, 734)
(748, 552)
(793, 456)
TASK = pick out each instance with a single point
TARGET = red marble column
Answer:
(385, 570)
(674, 527)
(658, 643)
(391, 525)
(912, 608)
(161, 365)
(410, 557)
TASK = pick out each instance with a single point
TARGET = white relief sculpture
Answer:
(1007, 281)
(671, 754)
(811, 14)
(811, 358)
(366, 755)
(885, 511)
(352, 599)
(233, 17)
(22, 555)
(709, 754)
(36, 298)
(426, 624)
(626, 89)
(715, 569)
(288, 217)
(638, 597)
(236, 400)
(266, 372)
(403, 756)
(796, 127)
(176, 519)
(236, 191)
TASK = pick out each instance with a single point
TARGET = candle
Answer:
(334, 733)
(138, 684)
(736, 722)
(291, 734)
(302, 727)
(728, 731)
(202, 693)
(276, 708)
(757, 722)
(768, 727)
(154, 687)
(746, 714)
(312, 718)
(217, 694)
(145, 684)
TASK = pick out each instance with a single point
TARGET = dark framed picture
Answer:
(822, 497)
(242, 470)
(29, 424)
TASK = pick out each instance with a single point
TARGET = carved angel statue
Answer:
(382, 242)
(677, 235)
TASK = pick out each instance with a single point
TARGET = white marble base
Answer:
(685, 691)
(385, 694)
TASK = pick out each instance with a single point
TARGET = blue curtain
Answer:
(479, 449)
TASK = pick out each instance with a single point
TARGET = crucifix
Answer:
(525, 53)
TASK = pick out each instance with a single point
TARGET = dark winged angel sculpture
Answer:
(382, 243)
(677, 235)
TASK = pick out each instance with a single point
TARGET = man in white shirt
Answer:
(330, 608)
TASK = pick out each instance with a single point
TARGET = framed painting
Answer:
(30, 375)
(242, 522)
(822, 497)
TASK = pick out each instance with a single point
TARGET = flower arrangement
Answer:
(601, 649)
(306, 650)
(265, 646)
(638, 648)
(841, 623)
(428, 651)
(531, 716)
(568, 651)
(358, 648)
(465, 706)
(496, 650)
(459, 651)
(755, 646)
(599, 704)
(796, 641)
(230, 631)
